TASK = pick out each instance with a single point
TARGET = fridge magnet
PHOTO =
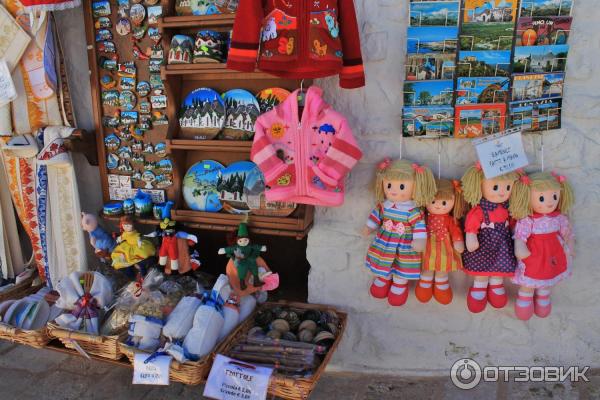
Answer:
(209, 46)
(139, 31)
(148, 178)
(154, 34)
(124, 152)
(150, 2)
(537, 86)
(137, 14)
(107, 82)
(101, 9)
(110, 98)
(482, 90)
(154, 13)
(123, 27)
(137, 176)
(112, 121)
(202, 114)
(164, 166)
(112, 142)
(127, 69)
(200, 186)
(537, 115)
(420, 67)
(489, 11)
(124, 134)
(137, 133)
(127, 100)
(428, 121)
(137, 146)
(127, 83)
(483, 63)
(148, 148)
(103, 34)
(125, 167)
(434, 13)
(123, 4)
(164, 181)
(137, 159)
(143, 88)
(145, 124)
(160, 149)
(181, 50)
(539, 59)
(543, 31)
(156, 52)
(136, 1)
(204, 7)
(103, 22)
(154, 65)
(108, 64)
(145, 107)
(158, 102)
(122, 12)
(159, 118)
(138, 54)
(156, 82)
(149, 165)
(129, 117)
(271, 97)
(241, 110)
(477, 120)
(112, 161)
(428, 93)
(106, 47)
(544, 8)
(427, 39)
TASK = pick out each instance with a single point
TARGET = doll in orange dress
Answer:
(445, 242)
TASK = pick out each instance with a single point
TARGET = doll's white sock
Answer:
(398, 289)
(498, 281)
(525, 298)
(380, 282)
(441, 282)
(426, 281)
(479, 295)
(543, 292)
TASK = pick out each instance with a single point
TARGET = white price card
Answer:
(236, 380)
(151, 370)
(501, 153)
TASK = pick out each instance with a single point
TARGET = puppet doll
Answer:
(174, 252)
(401, 188)
(102, 242)
(132, 250)
(543, 240)
(490, 252)
(445, 242)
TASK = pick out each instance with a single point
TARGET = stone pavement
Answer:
(27, 373)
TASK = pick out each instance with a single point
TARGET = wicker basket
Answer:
(281, 385)
(101, 346)
(21, 290)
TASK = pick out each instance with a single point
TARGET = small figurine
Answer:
(132, 251)
(102, 242)
(544, 240)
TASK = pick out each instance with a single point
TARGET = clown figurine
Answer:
(244, 256)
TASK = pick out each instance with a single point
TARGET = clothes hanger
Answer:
(301, 94)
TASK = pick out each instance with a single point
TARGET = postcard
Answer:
(427, 121)
(489, 11)
(434, 13)
(535, 116)
(541, 31)
(545, 8)
(537, 86)
(420, 67)
(477, 36)
(428, 93)
(540, 59)
(438, 39)
(482, 90)
(484, 63)
(477, 120)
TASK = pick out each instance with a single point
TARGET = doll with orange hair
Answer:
(490, 253)
(445, 242)
(543, 240)
(401, 189)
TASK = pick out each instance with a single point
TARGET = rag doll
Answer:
(132, 251)
(174, 254)
(401, 188)
(543, 240)
(102, 242)
(445, 242)
(489, 256)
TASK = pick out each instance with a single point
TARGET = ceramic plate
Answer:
(271, 97)
(241, 111)
(200, 186)
(202, 114)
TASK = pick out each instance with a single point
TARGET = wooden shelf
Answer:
(143, 221)
(212, 71)
(238, 146)
(196, 21)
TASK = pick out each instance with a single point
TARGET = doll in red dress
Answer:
(543, 240)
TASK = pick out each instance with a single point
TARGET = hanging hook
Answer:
(302, 85)
(439, 157)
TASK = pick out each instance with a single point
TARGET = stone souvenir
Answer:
(127, 100)
(156, 82)
(107, 82)
(137, 14)
(123, 27)
(200, 186)
(202, 114)
(101, 9)
(164, 166)
(143, 88)
(127, 69)
(127, 83)
(145, 107)
(159, 118)
(209, 46)
(148, 178)
(154, 34)
(103, 34)
(125, 166)
(129, 117)
(164, 181)
(103, 22)
(271, 97)
(181, 50)
(148, 148)
(160, 149)
(158, 102)
(139, 31)
(108, 64)
(154, 13)
(241, 110)
(112, 142)
(124, 152)
(110, 98)
(106, 47)
(112, 161)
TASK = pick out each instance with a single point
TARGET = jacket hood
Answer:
(314, 104)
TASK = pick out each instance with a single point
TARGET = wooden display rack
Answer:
(179, 80)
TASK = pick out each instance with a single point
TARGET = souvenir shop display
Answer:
(401, 188)
(175, 253)
(210, 46)
(132, 254)
(102, 242)
(544, 239)
(489, 254)
(202, 115)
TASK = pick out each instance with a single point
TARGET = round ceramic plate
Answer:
(202, 114)
(200, 186)
(270, 98)
(241, 111)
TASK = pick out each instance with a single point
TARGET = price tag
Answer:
(153, 371)
(501, 153)
(235, 380)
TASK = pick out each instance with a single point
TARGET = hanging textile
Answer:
(11, 256)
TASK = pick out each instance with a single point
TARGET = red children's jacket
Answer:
(298, 39)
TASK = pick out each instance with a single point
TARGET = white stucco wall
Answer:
(416, 338)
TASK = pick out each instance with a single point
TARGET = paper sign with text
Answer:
(236, 380)
(501, 153)
(154, 371)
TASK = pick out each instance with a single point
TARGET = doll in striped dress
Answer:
(401, 188)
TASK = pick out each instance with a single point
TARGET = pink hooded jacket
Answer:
(305, 160)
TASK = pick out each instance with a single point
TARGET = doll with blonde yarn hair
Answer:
(543, 239)
(401, 189)
(445, 242)
(490, 252)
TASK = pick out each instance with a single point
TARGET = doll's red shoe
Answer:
(524, 312)
(542, 310)
(475, 305)
(380, 288)
(495, 299)
(424, 294)
(397, 300)
(443, 296)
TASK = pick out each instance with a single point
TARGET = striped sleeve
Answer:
(374, 220)
(264, 154)
(353, 72)
(243, 51)
(417, 221)
(342, 156)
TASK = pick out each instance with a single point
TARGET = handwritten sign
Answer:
(7, 88)
(235, 380)
(501, 153)
(153, 371)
